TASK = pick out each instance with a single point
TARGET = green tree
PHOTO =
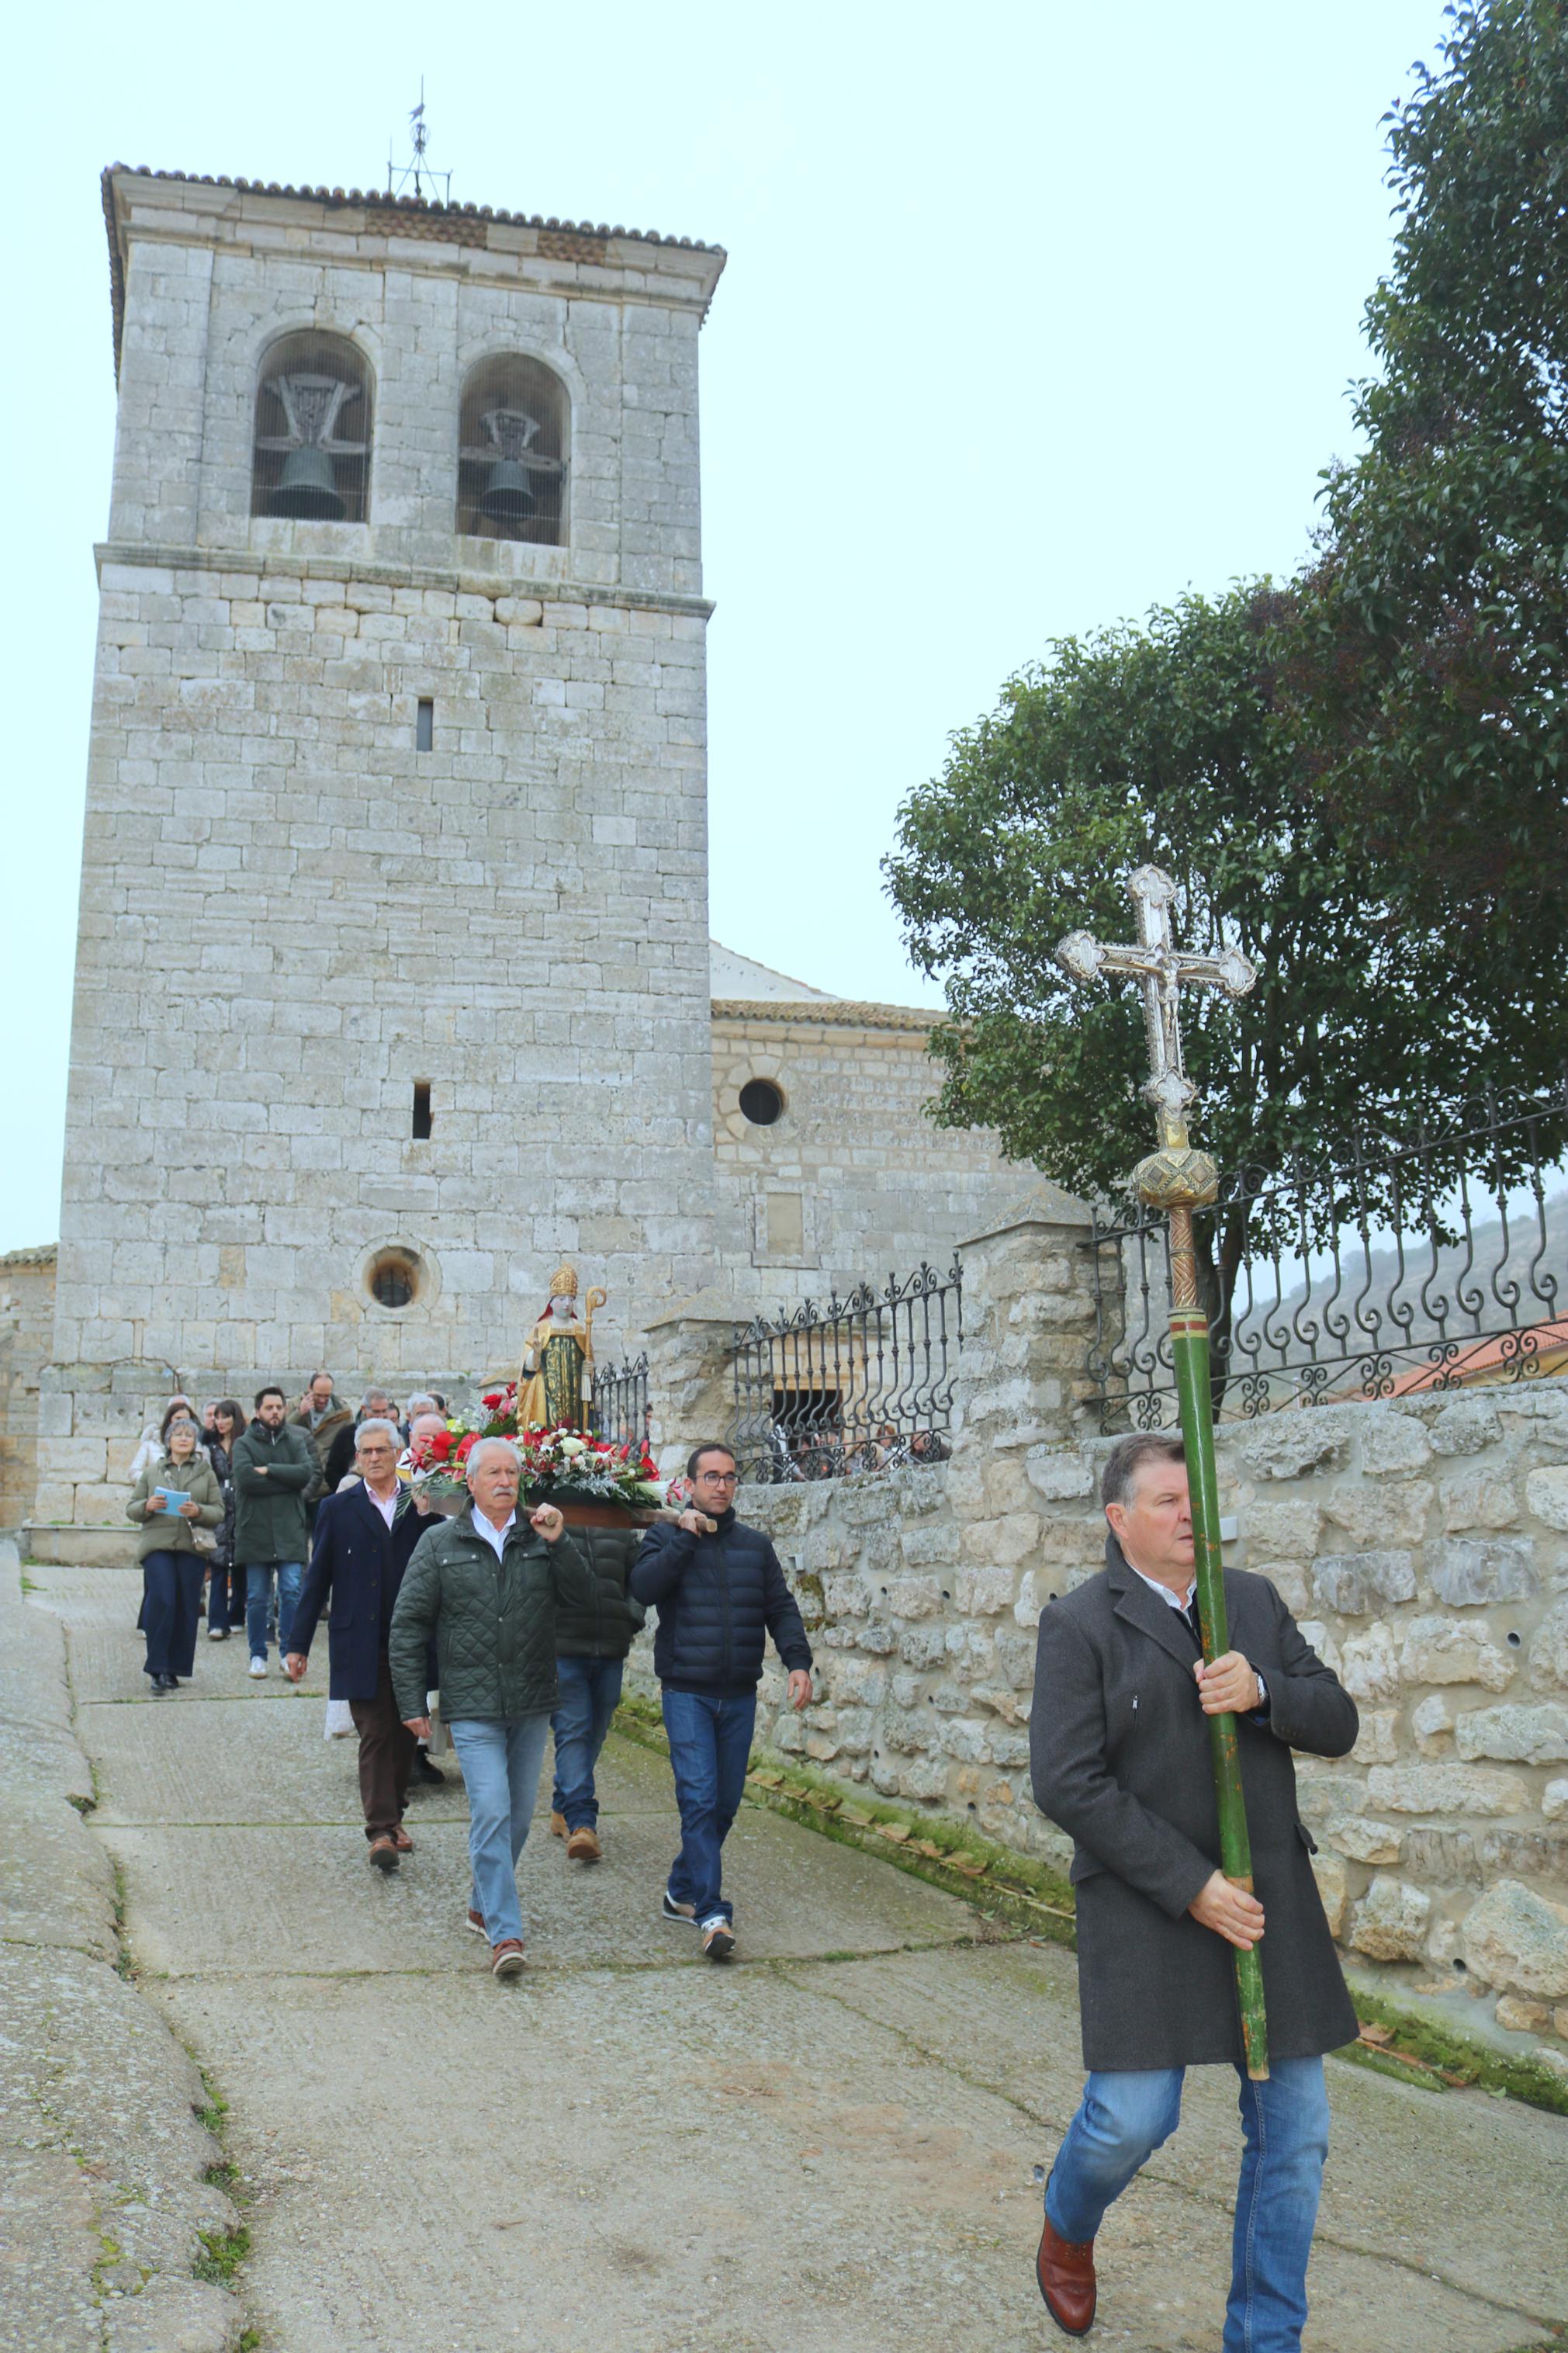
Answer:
(1165, 744)
(1426, 669)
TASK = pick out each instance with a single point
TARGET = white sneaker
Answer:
(218, 1633)
(258, 1667)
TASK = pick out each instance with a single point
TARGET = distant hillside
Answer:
(1499, 1282)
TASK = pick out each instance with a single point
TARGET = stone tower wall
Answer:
(290, 915)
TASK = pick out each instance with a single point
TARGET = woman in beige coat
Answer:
(172, 1499)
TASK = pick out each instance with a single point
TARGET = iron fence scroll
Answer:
(1431, 1253)
(620, 1404)
(854, 1384)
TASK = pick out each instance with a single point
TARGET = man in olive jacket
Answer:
(273, 1467)
(1120, 1757)
(487, 1585)
(590, 1648)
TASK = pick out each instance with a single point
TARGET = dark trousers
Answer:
(225, 1599)
(173, 1588)
(590, 1693)
(385, 1756)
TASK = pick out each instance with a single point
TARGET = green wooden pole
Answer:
(1179, 1180)
(1189, 1350)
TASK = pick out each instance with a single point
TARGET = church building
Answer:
(394, 981)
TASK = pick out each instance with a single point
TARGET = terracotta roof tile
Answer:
(825, 1012)
(419, 216)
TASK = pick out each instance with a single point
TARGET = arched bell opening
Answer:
(513, 452)
(310, 455)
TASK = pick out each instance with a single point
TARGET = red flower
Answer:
(493, 1399)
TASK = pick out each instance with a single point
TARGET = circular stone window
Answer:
(393, 1278)
(761, 1103)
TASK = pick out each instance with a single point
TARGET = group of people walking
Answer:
(523, 1623)
(267, 1481)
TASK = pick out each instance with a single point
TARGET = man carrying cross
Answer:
(1169, 1694)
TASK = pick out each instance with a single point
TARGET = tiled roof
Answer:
(43, 1256)
(1540, 1348)
(417, 216)
(830, 1012)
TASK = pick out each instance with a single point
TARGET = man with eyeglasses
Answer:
(719, 1593)
(364, 1538)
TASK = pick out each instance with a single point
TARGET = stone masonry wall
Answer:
(27, 1332)
(865, 1182)
(1423, 1544)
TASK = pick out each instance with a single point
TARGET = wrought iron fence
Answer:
(619, 1410)
(1430, 1254)
(857, 1384)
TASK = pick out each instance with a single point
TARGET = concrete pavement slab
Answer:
(717, 2159)
(1505, 2166)
(190, 1758)
(306, 1900)
(826, 2146)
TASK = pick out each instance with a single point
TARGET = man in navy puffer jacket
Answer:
(719, 1593)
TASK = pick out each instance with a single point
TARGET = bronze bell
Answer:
(307, 489)
(508, 495)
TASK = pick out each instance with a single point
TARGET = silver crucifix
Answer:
(1161, 971)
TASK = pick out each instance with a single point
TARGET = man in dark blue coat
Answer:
(719, 1593)
(364, 1540)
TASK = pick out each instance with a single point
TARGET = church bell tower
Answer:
(392, 983)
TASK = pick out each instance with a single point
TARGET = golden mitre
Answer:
(563, 1282)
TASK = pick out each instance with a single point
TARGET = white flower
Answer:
(571, 1446)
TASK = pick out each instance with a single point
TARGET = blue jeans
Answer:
(173, 1584)
(590, 1689)
(258, 1593)
(710, 1747)
(1124, 2118)
(501, 1757)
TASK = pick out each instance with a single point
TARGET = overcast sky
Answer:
(1034, 316)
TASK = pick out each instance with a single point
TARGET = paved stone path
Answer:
(826, 2145)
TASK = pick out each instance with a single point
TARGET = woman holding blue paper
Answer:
(172, 1499)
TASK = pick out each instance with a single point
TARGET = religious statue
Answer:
(556, 1382)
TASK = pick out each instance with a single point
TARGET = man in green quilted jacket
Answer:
(487, 1585)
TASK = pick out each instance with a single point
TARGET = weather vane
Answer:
(416, 168)
(1178, 1179)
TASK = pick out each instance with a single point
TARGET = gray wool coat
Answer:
(1120, 1758)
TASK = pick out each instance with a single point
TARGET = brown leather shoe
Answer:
(400, 1840)
(384, 1852)
(507, 1958)
(1065, 2269)
(557, 1825)
(583, 1846)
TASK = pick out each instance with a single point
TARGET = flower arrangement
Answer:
(560, 1465)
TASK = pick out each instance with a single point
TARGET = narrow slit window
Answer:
(425, 725)
(421, 1110)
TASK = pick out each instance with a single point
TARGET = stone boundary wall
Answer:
(1422, 1542)
(27, 1336)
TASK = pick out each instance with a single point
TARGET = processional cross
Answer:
(1178, 1179)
